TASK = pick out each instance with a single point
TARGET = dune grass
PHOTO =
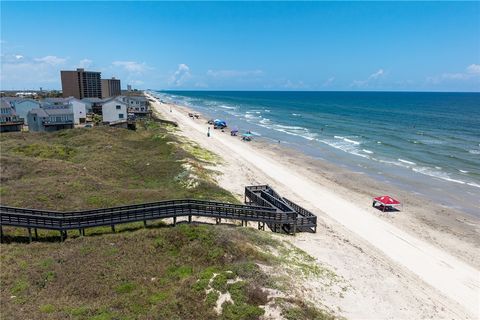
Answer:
(158, 272)
(100, 167)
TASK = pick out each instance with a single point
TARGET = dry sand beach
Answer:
(420, 263)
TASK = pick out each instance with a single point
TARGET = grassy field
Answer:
(101, 167)
(152, 273)
(159, 272)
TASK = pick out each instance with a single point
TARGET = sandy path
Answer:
(452, 277)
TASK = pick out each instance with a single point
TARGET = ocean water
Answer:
(427, 143)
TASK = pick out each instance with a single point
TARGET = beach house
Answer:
(9, 120)
(79, 107)
(51, 118)
(114, 109)
(137, 106)
(93, 105)
(22, 106)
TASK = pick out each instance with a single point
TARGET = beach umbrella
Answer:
(219, 122)
(234, 129)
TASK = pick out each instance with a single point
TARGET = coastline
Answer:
(386, 237)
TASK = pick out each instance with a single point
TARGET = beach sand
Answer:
(420, 263)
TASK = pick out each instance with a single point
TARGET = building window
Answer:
(119, 107)
(120, 115)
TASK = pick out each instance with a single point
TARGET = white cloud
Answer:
(51, 60)
(181, 75)
(376, 75)
(234, 73)
(19, 71)
(472, 72)
(85, 63)
(294, 85)
(132, 66)
(372, 79)
(328, 82)
(474, 68)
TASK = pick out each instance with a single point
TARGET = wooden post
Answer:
(1, 234)
(61, 235)
(174, 221)
(189, 219)
(113, 228)
(29, 235)
(80, 232)
(144, 223)
(36, 234)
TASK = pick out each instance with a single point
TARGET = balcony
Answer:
(56, 123)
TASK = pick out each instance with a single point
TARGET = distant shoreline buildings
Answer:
(87, 100)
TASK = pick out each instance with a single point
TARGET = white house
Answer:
(114, 109)
(79, 109)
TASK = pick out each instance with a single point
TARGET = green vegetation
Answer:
(135, 273)
(102, 166)
(162, 272)
(294, 309)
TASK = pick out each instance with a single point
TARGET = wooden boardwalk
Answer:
(263, 205)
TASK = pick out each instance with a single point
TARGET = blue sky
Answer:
(421, 46)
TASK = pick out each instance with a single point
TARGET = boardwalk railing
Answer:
(263, 207)
(264, 195)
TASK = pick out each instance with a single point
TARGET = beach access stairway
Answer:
(279, 214)
(265, 196)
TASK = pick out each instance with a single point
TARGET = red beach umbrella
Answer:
(385, 201)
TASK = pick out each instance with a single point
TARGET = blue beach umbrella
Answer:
(219, 122)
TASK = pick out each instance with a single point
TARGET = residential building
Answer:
(129, 87)
(114, 109)
(111, 88)
(79, 107)
(81, 84)
(137, 106)
(95, 105)
(50, 118)
(22, 106)
(9, 120)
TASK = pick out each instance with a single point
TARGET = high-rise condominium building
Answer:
(111, 87)
(81, 84)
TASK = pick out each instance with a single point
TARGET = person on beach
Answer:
(208, 132)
